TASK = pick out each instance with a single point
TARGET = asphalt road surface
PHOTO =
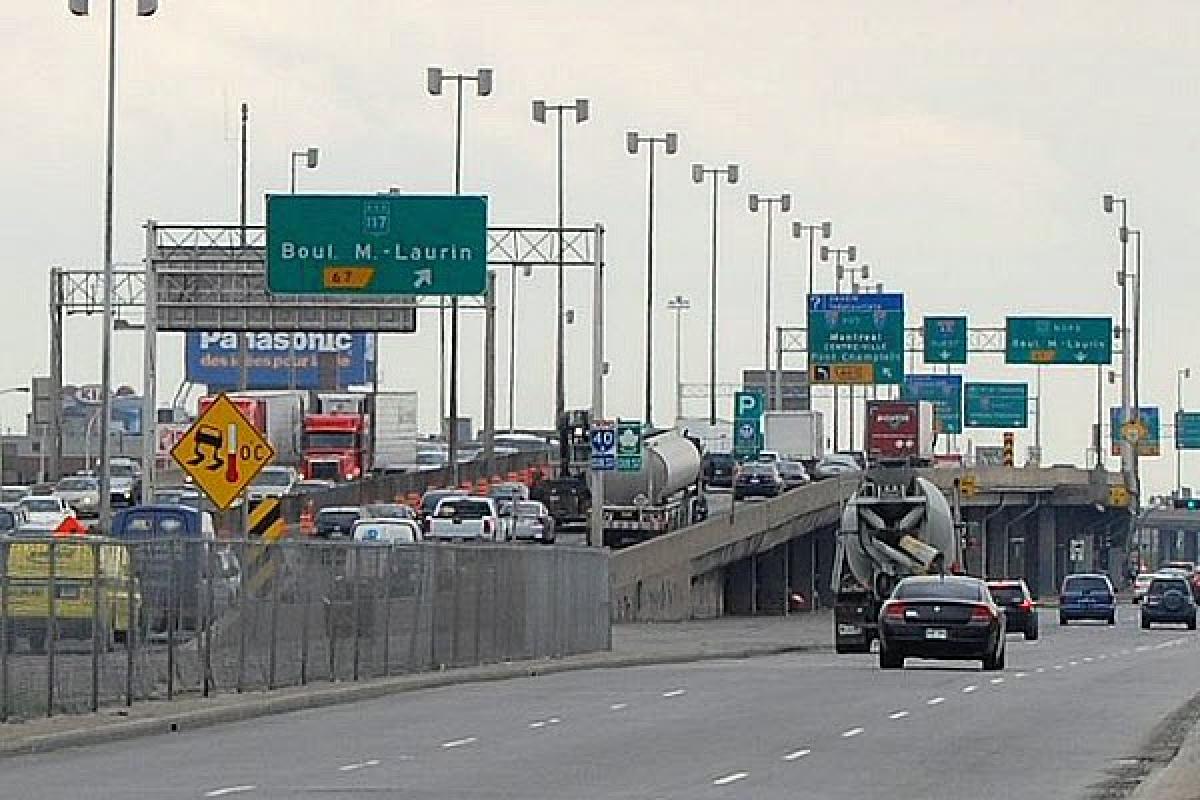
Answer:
(1067, 711)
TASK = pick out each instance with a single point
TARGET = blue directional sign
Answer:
(945, 340)
(1187, 430)
(944, 392)
(1058, 340)
(1143, 433)
(996, 405)
(604, 446)
(856, 338)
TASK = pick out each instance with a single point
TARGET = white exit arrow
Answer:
(1081, 357)
(945, 355)
(424, 278)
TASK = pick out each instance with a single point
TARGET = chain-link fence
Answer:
(88, 622)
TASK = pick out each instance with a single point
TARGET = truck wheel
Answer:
(1192, 623)
(1145, 623)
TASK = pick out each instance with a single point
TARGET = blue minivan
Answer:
(1087, 596)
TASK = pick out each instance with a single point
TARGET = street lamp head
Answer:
(147, 7)
(852, 253)
(433, 80)
(527, 270)
(826, 229)
(671, 143)
(841, 272)
(753, 199)
(569, 314)
(697, 173)
(824, 252)
(1123, 234)
(1108, 203)
(866, 271)
(583, 109)
(797, 229)
(311, 155)
(631, 142)
(785, 202)
(78, 7)
(483, 81)
(731, 173)
(539, 111)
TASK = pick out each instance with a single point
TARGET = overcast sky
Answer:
(963, 147)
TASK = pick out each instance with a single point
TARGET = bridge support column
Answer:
(772, 581)
(1047, 552)
(825, 548)
(996, 543)
(739, 587)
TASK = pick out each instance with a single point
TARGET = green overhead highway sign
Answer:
(376, 244)
(996, 405)
(1058, 340)
(945, 340)
(1187, 430)
(946, 394)
(856, 338)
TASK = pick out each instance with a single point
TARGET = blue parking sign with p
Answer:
(748, 405)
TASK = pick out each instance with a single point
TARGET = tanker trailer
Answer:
(666, 494)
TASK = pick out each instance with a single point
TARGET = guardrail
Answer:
(87, 622)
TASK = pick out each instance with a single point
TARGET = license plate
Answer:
(848, 630)
(935, 633)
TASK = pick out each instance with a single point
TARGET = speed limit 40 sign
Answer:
(604, 446)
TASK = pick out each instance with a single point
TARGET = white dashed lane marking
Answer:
(459, 742)
(618, 707)
(997, 681)
(935, 701)
(675, 693)
(796, 755)
(969, 689)
(898, 715)
(230, 790)
(850, 734)
(374, 762)
(728, 779)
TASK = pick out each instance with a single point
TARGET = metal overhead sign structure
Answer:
(1144, 432)
(223, 452)
(1187, 430)
(945, 340)
(996, 405)
(856, 338)
(1058, 340)
(377, 244)
(946, 394)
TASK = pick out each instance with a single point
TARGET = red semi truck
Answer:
(335, 446)
(900, 430)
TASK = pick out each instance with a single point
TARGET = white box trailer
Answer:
(795, 434)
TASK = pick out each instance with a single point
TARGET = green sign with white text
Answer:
(996, 405)
(1058, 340)
(945, 340)
(376, 244)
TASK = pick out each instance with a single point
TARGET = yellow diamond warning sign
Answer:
(223, 452)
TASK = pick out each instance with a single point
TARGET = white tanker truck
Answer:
(896, 524)
(666, 494)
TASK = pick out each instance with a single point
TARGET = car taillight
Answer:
(982, 614)
(894, 611)
(1026, 605)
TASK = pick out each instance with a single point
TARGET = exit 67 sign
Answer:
(223, 452)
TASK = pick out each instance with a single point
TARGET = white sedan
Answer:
(45, 511)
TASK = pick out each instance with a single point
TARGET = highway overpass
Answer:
(1020, 522)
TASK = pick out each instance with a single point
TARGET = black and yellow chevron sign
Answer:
(267, 526)
(266, 521)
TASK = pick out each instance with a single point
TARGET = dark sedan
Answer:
(1020, 616)
(949, 617)
(757, 480)
(719, 469)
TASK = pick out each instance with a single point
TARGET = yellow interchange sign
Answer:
(262, 561)
(842, 373)
(222, 452)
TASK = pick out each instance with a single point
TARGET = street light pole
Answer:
(80, 8)
(580, 109)
(850, 252)
(633, 143)
(784, 201)
(1126, 447)
(434, 78)
(699, 171)
(863, 272)
(1180, 376)
(678, 304)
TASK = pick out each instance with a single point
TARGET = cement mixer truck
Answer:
(664, 495)
(895, 525)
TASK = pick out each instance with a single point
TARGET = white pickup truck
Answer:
(465, 519)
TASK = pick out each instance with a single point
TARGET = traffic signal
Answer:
(1008, 448)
